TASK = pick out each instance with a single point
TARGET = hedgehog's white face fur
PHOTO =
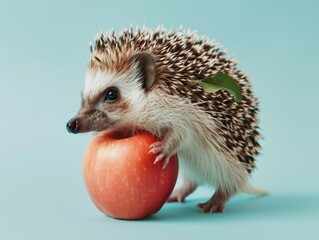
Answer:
(129, 101)
(115, 100)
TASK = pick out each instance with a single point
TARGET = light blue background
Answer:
(43, 56)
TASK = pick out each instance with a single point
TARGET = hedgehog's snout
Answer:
(73, 126)
(88, 121)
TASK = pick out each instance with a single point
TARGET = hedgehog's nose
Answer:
(73, 126)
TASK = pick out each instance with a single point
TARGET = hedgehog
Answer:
(146, 80)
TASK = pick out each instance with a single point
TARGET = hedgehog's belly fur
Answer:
(205, 166)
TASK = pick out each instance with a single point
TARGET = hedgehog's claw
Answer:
(159, 157)
(166, 161)
(156, 147)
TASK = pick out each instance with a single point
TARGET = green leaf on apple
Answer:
(221, 81)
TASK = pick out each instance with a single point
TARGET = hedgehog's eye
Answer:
(111, 95)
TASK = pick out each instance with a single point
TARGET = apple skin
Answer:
(121, 177)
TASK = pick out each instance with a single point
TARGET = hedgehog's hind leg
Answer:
(182, 192)
(216, 203)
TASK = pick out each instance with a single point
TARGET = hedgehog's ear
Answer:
(146, 66)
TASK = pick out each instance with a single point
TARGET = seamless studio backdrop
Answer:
(44, 48)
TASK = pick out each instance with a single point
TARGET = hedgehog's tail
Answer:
(256, 191)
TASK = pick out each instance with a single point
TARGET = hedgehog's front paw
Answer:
(157, 148)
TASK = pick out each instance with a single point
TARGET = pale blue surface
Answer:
(43, 55)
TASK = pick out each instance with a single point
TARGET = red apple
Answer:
(121, 177)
